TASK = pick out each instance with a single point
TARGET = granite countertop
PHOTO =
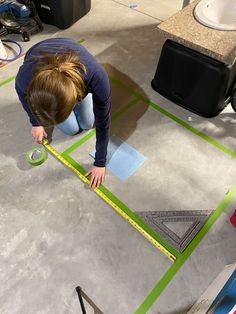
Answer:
(185, 29)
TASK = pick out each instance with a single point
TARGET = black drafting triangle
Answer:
(157, 219)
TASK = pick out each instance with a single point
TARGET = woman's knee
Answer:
(84, 113)
(72, 130)
(70, 126)
(87, 124)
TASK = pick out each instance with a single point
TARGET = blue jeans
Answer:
(81, 118)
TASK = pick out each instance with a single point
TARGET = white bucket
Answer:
(3, 53)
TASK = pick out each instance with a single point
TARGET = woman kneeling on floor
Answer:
(61, 84)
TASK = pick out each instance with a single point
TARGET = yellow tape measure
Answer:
(109, 201)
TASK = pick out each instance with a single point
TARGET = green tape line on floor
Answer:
(78, 143)
(207, 138)
(181, 258)
(123, 109)
(126, 209)
(171, 272)
(7, 81)
(114, 116)
(81, 40)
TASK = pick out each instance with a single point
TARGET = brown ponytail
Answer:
(56, 86)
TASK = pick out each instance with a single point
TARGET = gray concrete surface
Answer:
(56, 234)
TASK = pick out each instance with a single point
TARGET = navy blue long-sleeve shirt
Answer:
(96, 82)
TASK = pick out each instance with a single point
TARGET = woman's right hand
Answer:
(38, 133)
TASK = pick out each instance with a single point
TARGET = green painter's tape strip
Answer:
(84, 139)
(78, 143)
(207, 138)
(171, 272)
(126, 209)
(7, 81)
(125, 108)
(36, 156)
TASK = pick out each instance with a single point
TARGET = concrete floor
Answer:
(56, 234)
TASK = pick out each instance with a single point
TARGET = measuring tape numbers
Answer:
(54, 153)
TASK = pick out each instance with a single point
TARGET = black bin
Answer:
(192, 80)
(62, 13)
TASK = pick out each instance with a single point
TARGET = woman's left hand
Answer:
(97, 176)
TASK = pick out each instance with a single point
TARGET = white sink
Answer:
(218, 14)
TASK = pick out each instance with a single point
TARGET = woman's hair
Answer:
(56, 86)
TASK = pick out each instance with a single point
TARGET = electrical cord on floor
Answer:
(15, 43)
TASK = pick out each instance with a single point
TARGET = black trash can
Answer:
(192, 80)
(62, 13)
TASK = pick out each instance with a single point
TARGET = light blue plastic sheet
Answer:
(122, 159)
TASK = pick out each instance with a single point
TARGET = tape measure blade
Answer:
(135, 225)
(63, 161)
(56, 155)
